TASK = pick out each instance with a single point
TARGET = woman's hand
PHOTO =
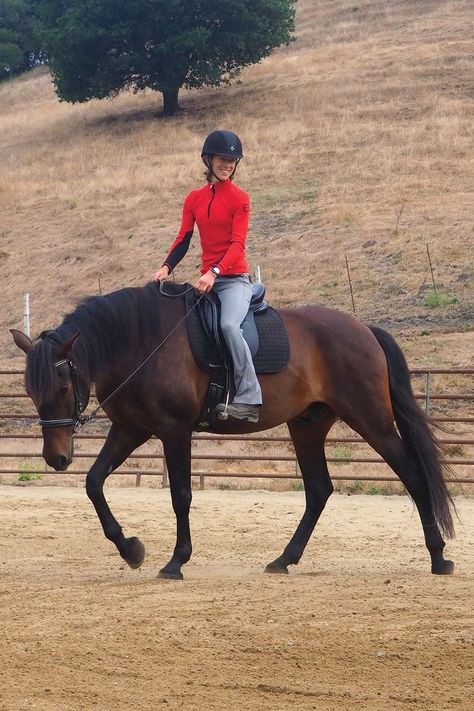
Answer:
(161, 274)
(205, 282)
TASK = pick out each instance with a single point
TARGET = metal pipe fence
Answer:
(22, 425)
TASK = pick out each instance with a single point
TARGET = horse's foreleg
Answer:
(120, 443)
(308, 438)
(178, 459)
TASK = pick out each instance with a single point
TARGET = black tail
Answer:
(413, 427)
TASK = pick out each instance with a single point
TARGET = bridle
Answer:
(79, 406)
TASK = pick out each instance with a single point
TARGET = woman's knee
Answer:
(229, 326)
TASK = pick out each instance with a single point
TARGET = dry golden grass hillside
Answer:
(359, 144)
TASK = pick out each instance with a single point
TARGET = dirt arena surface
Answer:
(359, 624)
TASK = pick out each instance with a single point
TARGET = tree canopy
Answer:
(98, 47)
(19, 48)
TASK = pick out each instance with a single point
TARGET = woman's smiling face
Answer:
(223, 167)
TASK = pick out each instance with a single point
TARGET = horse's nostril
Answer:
(62, 463)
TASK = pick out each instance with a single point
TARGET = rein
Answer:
(77, 420)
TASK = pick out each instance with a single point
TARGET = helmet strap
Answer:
(233, 172)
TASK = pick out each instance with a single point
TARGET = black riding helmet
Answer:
(222, 143)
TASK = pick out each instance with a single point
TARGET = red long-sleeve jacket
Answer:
(221, 211)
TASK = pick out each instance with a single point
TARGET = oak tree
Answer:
(98, 47)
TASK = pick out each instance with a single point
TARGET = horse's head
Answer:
(58, 391)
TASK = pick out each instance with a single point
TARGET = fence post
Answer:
(165, 481)
(26, 313)
(350, 284)
(138, 478)
(201, 482)
(297, 467)
(427, 391)
(258, 275)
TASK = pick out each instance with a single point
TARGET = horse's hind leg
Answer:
(308, 438)
(120, 443)
(395, 452)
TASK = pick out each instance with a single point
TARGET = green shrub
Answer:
(29, 472)
(340, 452)
(440, 298)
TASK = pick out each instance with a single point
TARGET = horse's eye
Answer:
(64, 389)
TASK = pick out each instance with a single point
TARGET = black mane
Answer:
(108, 325)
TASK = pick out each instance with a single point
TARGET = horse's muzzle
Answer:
(61, 463)
(58, 454)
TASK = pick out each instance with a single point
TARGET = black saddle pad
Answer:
(274, 348)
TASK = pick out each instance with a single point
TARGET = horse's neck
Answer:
(106, 376)
(111, 356)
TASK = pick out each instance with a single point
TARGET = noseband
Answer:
(76, 419)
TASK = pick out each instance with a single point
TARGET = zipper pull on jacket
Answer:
(212, 200)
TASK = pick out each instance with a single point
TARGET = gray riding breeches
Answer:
(234, 293)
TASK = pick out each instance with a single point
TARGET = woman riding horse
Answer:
(221, 211)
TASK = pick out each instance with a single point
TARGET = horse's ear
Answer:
(65, 348)
(21, 340)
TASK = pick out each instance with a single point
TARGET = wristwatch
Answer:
(215, 270)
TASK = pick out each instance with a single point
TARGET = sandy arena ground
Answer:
(360, 624)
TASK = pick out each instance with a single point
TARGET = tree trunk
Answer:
(170, 101)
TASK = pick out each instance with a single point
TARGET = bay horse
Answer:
(338, 368)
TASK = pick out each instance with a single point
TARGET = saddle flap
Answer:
(209, 308)
(273, 350)
(209, 315)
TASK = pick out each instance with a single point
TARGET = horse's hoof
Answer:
(446, 568)
(167, 575)
(276, 569)
(135, 552)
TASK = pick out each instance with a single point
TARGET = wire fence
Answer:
(446, 394)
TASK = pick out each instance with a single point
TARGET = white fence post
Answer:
(26, 314)
(258, 276)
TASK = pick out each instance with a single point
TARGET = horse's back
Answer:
(329, 328)
(334, 351)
